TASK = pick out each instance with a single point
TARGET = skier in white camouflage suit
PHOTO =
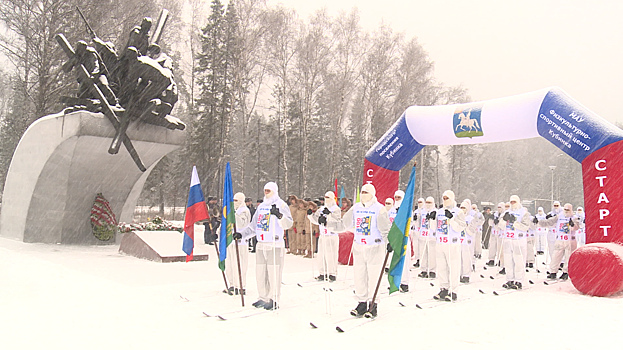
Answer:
(268, 225)
(495, 242)
(328, 241)
(414, 233)
(530, 244)
(541, 233)
(580, 235)
(477, 246)
(450, 224)
(516, 222)
(243, 218)
(551, 231)
(406, 274)
(371, 225)
(565, 225)
(427, 222)
(474, 220)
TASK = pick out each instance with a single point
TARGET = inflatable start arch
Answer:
(595, 269)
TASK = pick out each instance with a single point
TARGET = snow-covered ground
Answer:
(74, 297)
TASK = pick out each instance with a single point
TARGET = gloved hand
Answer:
(571, 223)
(397, 209)
(237, 235)
(512, 218)
(548, 216)
(322, 220)
(326, 211)
(275, 211)
(309, 212)
(535, 220)
(389, 248)
(449, 214)
(433, 215)
(507, 216)
(214, 236)
(415, 216)
(496, 221)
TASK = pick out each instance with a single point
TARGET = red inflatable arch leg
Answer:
(597, 269)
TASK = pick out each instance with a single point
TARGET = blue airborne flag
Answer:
(399, 235)
(229, 218)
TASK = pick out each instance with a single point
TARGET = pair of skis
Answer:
(241, 313)
(347, 324)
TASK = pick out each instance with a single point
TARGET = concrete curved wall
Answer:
(62, 162)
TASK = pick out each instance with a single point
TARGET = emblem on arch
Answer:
(466, 121)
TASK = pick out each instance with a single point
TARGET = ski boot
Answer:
(371, 313)
(490, 263)
(450, 297)
(258, 304)
(270, 305)
(361, 309)
(516, 285)
(508, 285)
(551, 275)
(320, 278)
(432, 275)
(332, 278)
(443, 293)
(229, 291)
(503, 271)
(423, 274)
(564, 276)
(404, 288)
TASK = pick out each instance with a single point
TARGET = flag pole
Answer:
(240, 290)
(218, 256)
(378, 283)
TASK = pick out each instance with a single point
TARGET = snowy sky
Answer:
(500, 48)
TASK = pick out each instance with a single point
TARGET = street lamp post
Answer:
(552, 167)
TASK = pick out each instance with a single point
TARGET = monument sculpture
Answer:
(60, 165)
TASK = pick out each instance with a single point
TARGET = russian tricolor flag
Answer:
(196, 210)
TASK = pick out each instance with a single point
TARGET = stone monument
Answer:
(62, 161)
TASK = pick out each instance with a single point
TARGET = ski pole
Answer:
(218, 256)
(350, 255)
(239, 268)
(378, 283)
(311, 245)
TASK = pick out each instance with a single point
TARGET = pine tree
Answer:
(216, 103)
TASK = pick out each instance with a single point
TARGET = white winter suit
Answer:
(270, 249)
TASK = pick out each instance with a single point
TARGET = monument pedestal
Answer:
(59, 166)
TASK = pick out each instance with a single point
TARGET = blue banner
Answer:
(396, 148)
(572, 127)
